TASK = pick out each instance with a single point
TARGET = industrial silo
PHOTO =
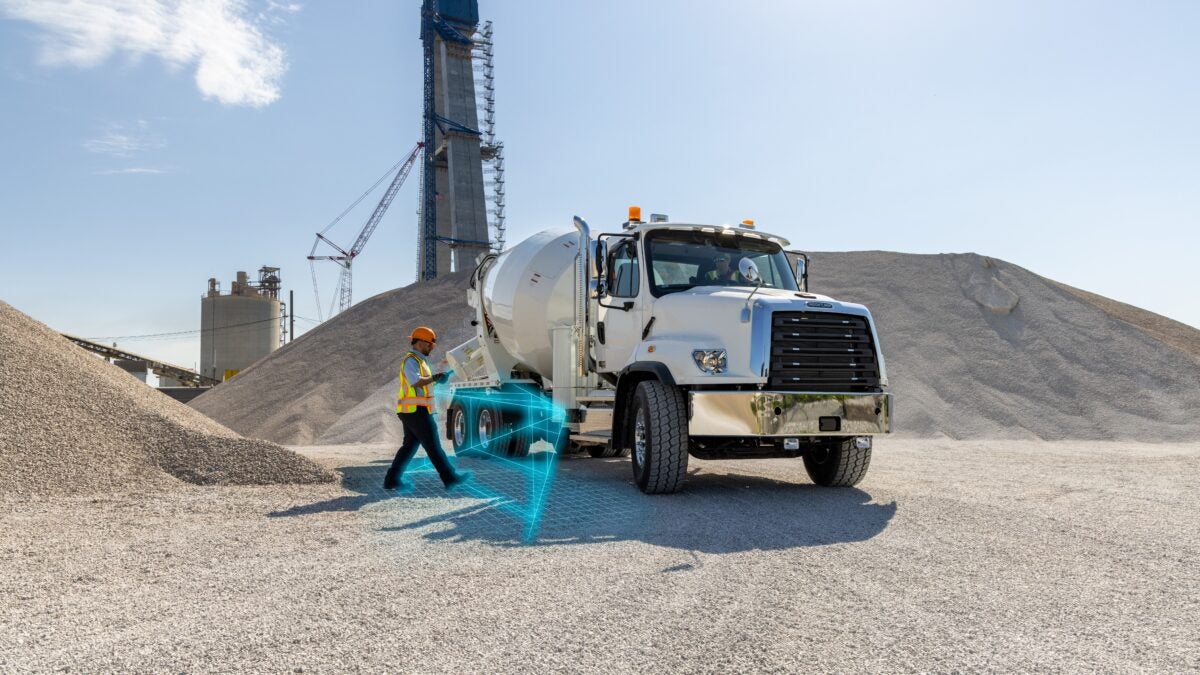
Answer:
(241, 327)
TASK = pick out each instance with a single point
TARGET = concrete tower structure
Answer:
(453, 152)
(242, 327)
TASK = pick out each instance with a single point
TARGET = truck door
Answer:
(620, 311)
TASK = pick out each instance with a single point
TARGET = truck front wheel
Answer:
(840, 465)
(658, 433)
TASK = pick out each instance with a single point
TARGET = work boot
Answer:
(458, 480)
(390, 482)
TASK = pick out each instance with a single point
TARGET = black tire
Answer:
(515, 440)
(840, 465)
(563, 445)
(518, 445)
(658, 432)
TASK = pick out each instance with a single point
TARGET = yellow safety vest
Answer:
(409, 397)
(713, 275)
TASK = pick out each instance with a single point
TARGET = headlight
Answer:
(710, 360)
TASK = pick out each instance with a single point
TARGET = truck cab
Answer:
(721, 317)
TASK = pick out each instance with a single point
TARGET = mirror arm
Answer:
(624, 307)
(746, 308)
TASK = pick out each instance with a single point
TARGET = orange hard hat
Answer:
(424, 333)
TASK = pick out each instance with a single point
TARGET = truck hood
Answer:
(721, 303)
(710, 317)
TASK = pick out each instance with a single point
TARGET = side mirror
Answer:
(801, 269)
(749, 271)
(599, 255)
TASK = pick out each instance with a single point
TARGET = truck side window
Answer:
(624, 271)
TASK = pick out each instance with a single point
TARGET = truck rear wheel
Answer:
(460, 430)
(658, 434)
(516, 437)
(486, 430)
(840, 465)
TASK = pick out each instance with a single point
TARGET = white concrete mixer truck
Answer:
(661, 341)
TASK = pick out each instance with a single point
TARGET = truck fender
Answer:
(627, 382)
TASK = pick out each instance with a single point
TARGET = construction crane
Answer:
(345, 257)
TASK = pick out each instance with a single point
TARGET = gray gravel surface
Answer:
(951, 556)
(71, 423)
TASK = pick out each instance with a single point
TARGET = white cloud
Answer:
(236, 64)
(125, 141)
(130, 171)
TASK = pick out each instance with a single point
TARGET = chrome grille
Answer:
(822, 352)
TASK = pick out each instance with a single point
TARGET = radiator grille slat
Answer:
(818, 351)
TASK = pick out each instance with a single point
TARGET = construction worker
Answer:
(722, 271)
(414, 404)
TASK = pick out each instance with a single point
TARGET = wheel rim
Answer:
(639, 437)
(486, 428)
(460, 429)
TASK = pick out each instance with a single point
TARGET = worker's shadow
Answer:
(595, 500)
(367, 481)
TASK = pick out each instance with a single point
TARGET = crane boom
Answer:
(385, 201)
(345, 258)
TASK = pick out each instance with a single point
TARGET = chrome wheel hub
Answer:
(639, 437)
(486, 427)
(460, 429)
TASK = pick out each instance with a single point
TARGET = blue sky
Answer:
(147, 146)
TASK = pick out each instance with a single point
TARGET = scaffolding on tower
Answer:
(491, 150)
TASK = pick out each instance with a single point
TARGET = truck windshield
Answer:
(683, 259)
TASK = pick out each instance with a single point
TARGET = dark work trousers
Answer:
(420, 431)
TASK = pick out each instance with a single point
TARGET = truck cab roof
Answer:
(639, 227)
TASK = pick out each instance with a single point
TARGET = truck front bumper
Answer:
(776, 413)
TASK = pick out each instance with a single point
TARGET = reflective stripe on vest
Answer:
(409, 397)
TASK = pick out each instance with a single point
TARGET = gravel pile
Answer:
(299, 391)
(1179, 335)
(72, 424)
(980, 348)
(975, 347)
(373, 420)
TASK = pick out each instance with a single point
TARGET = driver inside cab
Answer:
(722, 272)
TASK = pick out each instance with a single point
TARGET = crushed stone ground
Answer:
(952, 556)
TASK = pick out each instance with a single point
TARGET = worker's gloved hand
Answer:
(441, 377)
